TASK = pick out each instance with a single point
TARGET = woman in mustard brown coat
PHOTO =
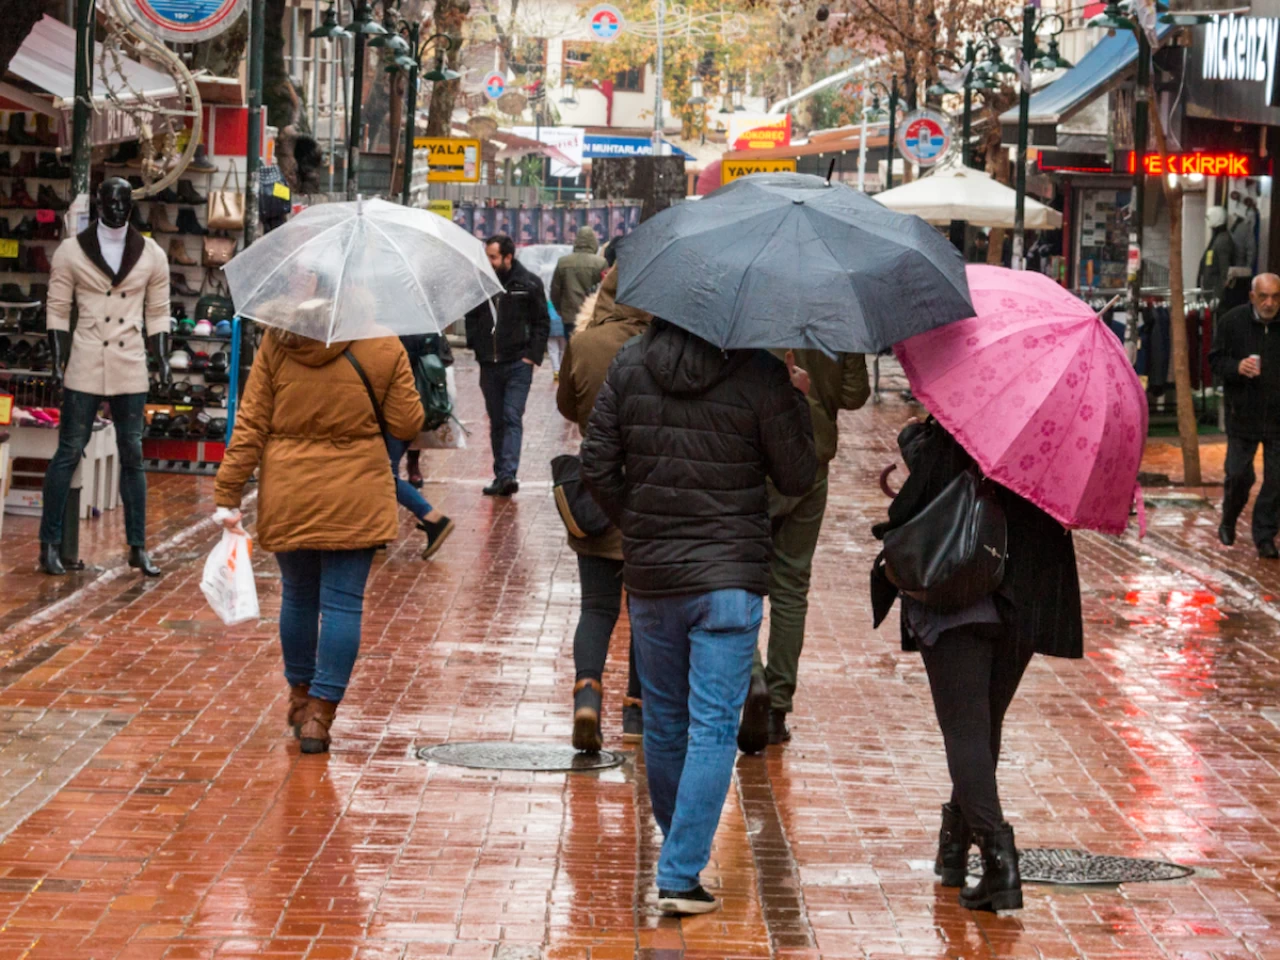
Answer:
(326, 499)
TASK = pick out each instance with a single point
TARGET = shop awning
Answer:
(47, 59)
(1077, 87)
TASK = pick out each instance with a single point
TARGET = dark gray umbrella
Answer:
(790, 260)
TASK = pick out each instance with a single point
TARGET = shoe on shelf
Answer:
(632, 720)
(160, 220)
(47, 198)
(437, 533)
(126, 155)
(136, 221)
(19, 197)
(178, 284)
(588, 698)
(200, 162)
(167, 195)
(187, 194)
(1001, 885)
(187, 223)
(954, 840)
(1227, 533)
(687, 902)
(178, 253)
(26, 166)
(1267, 550)
(51, 168)
(753, 729)
(26, 229)
(39, 260)
(779, 732)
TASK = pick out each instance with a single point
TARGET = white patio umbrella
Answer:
(956, 192)
(375, 269)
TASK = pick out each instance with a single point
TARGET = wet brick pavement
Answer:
(152, 804)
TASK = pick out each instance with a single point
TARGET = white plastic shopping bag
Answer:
(449, 436)
(228, 579)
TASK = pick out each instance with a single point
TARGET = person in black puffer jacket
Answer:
(678, 448)
(508, 348)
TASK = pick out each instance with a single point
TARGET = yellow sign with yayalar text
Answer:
(451, 159)
(442, 207)
(731, 170)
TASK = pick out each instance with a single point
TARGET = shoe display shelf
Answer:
(30, 450)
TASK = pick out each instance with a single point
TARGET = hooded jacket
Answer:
(576, 275)
(523, 323)
(602, 329)
(678, 448)
(836, 383)
(307, 420)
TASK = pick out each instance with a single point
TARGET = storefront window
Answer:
(1102, 239)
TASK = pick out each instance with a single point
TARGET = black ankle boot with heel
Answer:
(1001, 885)
(954, 840)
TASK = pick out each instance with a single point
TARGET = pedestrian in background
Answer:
(1246, 359)
(509, 336)
(431, 521)
(577, 276)
(602, 327)
(678, 449)
(975, 657)
(836, 383)
(427, 343)
(326, 500)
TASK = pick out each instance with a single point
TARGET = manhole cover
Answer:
(493, 755)
(1078, 867)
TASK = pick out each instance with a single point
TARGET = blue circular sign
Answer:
(495, 85)
(605, 21)
(186, 21)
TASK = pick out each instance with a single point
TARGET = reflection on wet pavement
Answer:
(155, 806)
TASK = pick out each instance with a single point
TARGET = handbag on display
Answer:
(218, 250)
(582, 516)
(952, 553)
(226, 206)
(214, 305)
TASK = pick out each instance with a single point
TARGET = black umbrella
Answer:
(790, 260)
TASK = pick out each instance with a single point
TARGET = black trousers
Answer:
(601, 580)
(1239, 482)
(973, 679)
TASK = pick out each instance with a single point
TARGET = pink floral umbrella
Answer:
(1041, 395)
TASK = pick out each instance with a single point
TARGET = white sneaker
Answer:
(692, 901)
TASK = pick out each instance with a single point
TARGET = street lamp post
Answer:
(409, 59)
(891, 92)
(364, 26)
(331, 31)
(1031, 57)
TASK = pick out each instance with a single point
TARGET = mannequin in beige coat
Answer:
(117, 282)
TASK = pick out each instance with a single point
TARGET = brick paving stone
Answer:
(152, 803)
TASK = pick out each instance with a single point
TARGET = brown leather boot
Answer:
(316, 721)
(588, 696)
(298, 698)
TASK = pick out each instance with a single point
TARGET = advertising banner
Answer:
(731, 170)
(568, 140)
(759, 131)
(451, 160)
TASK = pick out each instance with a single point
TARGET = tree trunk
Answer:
(448, 18)
(1188, 429)
(19, 17)
(223, 55)
(283, 100)
(399, 84)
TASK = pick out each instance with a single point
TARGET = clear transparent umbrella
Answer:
(380, 268)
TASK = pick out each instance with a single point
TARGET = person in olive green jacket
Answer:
(577, 275)
(603, 327)
(835, 384)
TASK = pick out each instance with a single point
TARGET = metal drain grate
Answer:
(494, 755)
(1079, 867)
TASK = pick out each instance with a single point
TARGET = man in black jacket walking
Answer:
(679, 445)
(509, 336)
(1246, 358)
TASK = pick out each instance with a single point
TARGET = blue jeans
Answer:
(321, 601)
(694, 657)
(406, 496)
(506, 389)
(78, 409)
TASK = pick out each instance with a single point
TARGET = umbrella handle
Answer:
(884, 480)
(1110, 303)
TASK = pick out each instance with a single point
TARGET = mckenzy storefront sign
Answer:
(1235, 57)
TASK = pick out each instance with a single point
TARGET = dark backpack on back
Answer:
(433, 391)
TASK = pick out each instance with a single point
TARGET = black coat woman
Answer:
(975, 657)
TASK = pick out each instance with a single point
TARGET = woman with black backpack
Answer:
(431, 521)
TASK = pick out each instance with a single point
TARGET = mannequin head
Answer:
(1217, 217)
(115, 202)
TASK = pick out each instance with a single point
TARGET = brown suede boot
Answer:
(298, 698)
(587, 699)
(316, 721)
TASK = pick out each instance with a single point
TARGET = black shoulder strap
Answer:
(377, 408)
